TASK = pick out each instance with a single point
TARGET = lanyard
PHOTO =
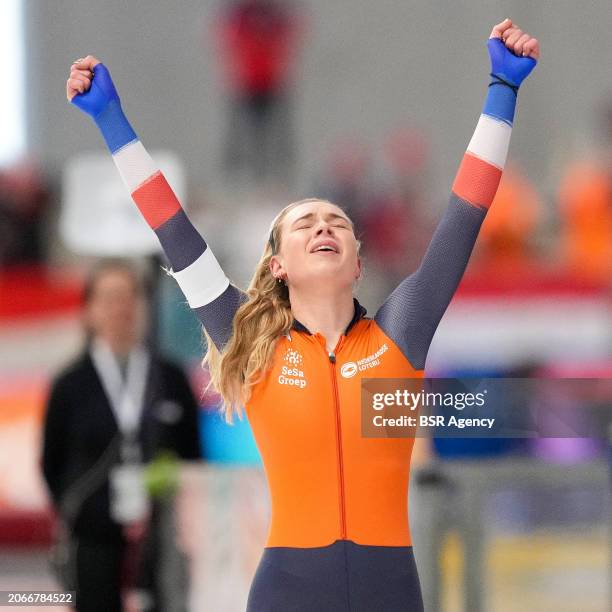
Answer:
(126, 398)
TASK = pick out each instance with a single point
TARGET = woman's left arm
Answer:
(411, 314)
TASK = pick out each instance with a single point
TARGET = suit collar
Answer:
(358, 314)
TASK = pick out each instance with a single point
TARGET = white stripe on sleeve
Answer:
(135, 165)
(491, 140)
(202, 281)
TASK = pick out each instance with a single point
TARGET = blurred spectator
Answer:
(389, 212)
(585, 200)
(506, 240)
(119, 405)
(259, 40)
(345, 179)
(407, 153)
(586, 211)
(23, 200)
(395, 228)
(586, 218)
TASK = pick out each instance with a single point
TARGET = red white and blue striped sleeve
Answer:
(483, 163)
(197, 271)
(411, 314)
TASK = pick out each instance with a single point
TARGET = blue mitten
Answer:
(508, 72)
(506, 66)
(102, 103)
(101, 93)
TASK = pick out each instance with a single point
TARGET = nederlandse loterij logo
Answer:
(350, 368)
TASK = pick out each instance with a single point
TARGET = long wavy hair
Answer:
(257, 326)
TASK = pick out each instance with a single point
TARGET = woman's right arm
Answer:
(207, 289)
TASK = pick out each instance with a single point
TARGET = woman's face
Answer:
(317, 244)
(116, 310)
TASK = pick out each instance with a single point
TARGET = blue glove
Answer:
(101, 93)
(102, 103)
(506, 66)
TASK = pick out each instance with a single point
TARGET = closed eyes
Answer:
(309, 219)
(309, 225)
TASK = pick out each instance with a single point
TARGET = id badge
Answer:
(129, 501)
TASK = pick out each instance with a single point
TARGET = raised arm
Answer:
(207, 289)
(413, 311)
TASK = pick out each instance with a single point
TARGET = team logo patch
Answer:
(292, 374)
(292, 357)
(349, 369)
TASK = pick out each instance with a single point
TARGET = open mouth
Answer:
(325, 247)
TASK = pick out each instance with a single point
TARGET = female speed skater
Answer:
(286, 350)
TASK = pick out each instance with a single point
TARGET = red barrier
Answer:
(31, 291)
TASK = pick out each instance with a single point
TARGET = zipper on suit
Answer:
(334, 378)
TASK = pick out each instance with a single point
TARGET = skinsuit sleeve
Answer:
(412, 312)
(207, 289)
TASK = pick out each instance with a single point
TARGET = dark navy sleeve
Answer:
(411, 314)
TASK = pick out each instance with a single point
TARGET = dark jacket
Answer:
(80, 425)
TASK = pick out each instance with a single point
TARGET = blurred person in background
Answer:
(346, 178)
(394, 230)
(507, 243)
(258, 41)
(24, 198)
(118, 404)
(287, 350)
(585, 199)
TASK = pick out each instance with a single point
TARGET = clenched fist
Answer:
(91, 89)
(81, 76)
(90, 86)
(513, 52)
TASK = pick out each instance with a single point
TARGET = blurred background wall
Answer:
(366, 68)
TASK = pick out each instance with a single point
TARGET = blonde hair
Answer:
(257, 326)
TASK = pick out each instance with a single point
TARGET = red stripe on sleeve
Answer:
(476, 181)
(156, 200)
